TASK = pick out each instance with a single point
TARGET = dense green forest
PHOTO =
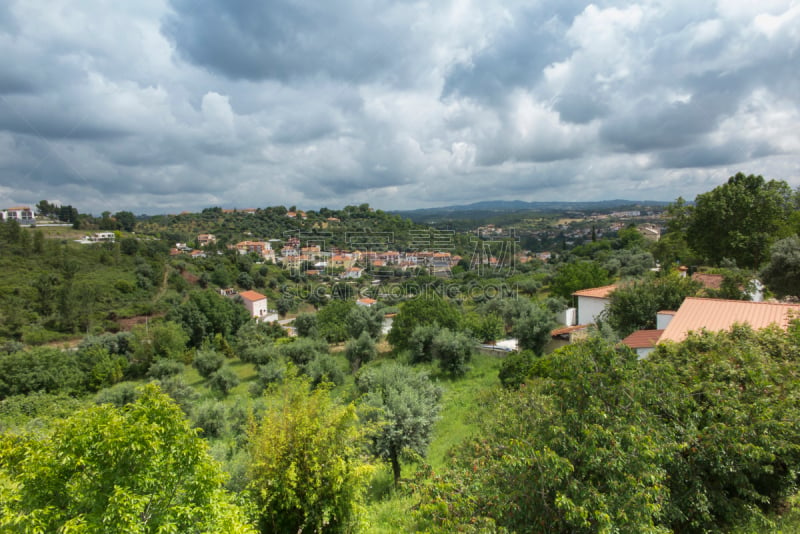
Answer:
(134, 397)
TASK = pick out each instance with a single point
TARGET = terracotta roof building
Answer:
(643, 341)
(596, 292)
(255, 302)
(715, 315)
(591, 302)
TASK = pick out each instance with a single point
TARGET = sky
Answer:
(161, 106)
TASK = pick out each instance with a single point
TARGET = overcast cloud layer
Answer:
(162, 106)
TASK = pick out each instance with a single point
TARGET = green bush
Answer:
(164, 368)
(210, 418)
(207, 362)
(223, 380)
(124, 286)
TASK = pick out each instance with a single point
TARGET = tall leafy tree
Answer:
(206, 313)
(453, 350)
(578, 275)
(139, 468)
(332, 320)
(740, 219)
(307, 471)
(360, 350)
(572, 452)
(634, 307)
(405, 404)
(422, 310)
(126, 220)
(367, 319)
(725, 402)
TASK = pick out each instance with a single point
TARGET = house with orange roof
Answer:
(255, 302)
(591, 302)
(716, 315)
(206, 239)
(643, 342)
(366, 301)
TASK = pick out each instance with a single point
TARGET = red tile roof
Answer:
(715, 315)
(643, 339)
(251, 296)
(596, 292)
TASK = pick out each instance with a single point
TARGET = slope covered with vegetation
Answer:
(190, 416)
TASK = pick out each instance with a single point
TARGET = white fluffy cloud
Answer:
(166, 105)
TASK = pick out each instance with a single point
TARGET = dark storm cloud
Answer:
(179, 104)
(10, 84)
(43, 124)
(704, 156)
(289, 39)
(518, 53)
(580, 108)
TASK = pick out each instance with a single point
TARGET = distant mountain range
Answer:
(486, 208)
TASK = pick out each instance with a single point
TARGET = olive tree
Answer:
(405, 403)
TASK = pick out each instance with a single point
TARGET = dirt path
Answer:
(163, 288)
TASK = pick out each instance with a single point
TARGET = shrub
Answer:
(210, 418)
(207, 362)
(164, 368)
(118, 394)
(360, 351)
(223, 380)
(325, 368)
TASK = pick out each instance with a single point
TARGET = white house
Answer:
(592, 302)
(353, 272)
(22, 214)
(255, 302)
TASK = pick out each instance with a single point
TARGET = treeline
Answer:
(384, 230)
(65, 212)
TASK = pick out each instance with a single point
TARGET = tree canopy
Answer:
(740, 219)
(429, 309)
(700, 436)
(578, 275)
(634, 307)
(139, 468)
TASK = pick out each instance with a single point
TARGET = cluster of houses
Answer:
(314, 260)
(351, 264)
(694, 314)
